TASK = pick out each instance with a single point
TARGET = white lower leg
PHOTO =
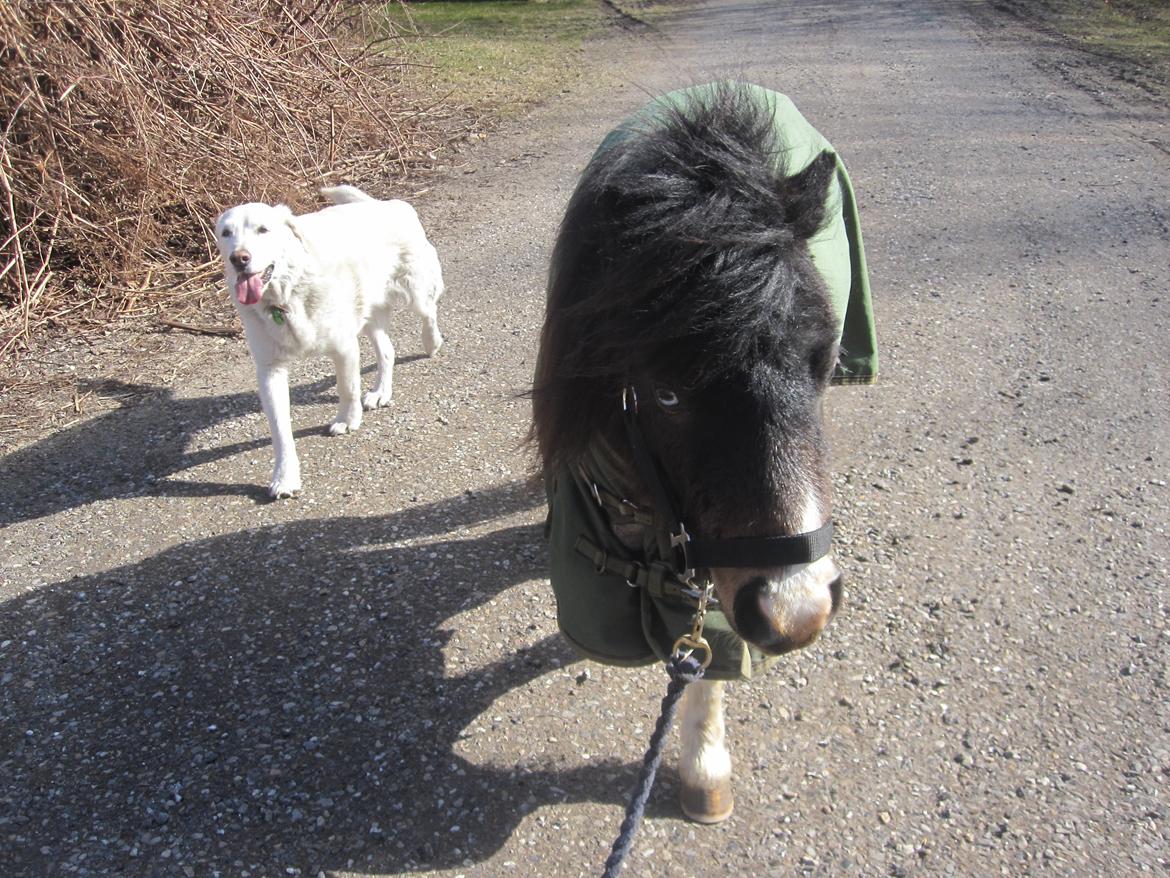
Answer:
(384, 388)
(432, 339)
(286, 472)
(704, 762)
(349, 407)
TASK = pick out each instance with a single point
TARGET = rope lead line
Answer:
(683, 670)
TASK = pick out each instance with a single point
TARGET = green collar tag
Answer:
(277, 315)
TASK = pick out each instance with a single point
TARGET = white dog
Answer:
(310, 284)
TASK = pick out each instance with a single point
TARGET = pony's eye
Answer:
(668, 399)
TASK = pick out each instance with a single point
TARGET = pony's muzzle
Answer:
(782, 615)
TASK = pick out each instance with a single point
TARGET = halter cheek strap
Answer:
(691, 553)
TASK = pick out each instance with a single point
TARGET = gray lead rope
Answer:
(683, 670)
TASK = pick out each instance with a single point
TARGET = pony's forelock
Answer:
(682, 245)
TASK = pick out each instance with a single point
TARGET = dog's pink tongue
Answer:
(248, 288)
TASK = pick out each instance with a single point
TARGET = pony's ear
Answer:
(804, 194)
(286, 215)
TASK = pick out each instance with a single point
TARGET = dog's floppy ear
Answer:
(286, 216)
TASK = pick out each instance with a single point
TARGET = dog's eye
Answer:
(665, 397)
(226, 233)
(262, 230)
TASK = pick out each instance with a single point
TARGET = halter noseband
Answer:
(692, 553)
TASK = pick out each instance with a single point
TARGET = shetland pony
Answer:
(683, 287)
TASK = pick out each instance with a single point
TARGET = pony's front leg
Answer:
(705, 764)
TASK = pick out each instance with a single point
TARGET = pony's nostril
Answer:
(779, 623)
(750, 620)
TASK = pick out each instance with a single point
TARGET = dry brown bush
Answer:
(126, 125)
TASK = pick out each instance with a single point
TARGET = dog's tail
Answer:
(344, 194)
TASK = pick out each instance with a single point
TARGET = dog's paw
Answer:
(283, 488)
(375, 399)
(338, 428)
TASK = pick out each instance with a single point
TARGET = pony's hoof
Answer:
(707, 805)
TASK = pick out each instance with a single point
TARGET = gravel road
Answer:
(368, 680)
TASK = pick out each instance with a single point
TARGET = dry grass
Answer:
(126, 125)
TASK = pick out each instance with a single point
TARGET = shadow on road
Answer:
(278, 699)
(132, 450)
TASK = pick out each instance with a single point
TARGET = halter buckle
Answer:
(629, 399)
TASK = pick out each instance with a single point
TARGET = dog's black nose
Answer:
(240, 259)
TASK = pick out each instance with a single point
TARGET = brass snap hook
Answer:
(686, 645)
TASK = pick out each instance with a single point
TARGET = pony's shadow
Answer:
(277, 699)
(134, 449)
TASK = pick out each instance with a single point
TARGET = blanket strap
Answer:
(621, 511)
(657, 577)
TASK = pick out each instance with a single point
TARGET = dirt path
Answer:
(368, 680)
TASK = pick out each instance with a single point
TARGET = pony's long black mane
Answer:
(681, 252)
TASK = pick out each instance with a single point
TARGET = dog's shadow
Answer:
(135, 449)
(287, 698)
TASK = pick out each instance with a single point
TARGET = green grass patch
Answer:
(1137, 31)
(1140, 28)
(499, 55)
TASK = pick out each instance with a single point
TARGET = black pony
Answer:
(693, 325)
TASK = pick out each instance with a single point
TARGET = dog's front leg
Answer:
(347, 360)
(286, 474)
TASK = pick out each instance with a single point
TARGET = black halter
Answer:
(692, 553)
